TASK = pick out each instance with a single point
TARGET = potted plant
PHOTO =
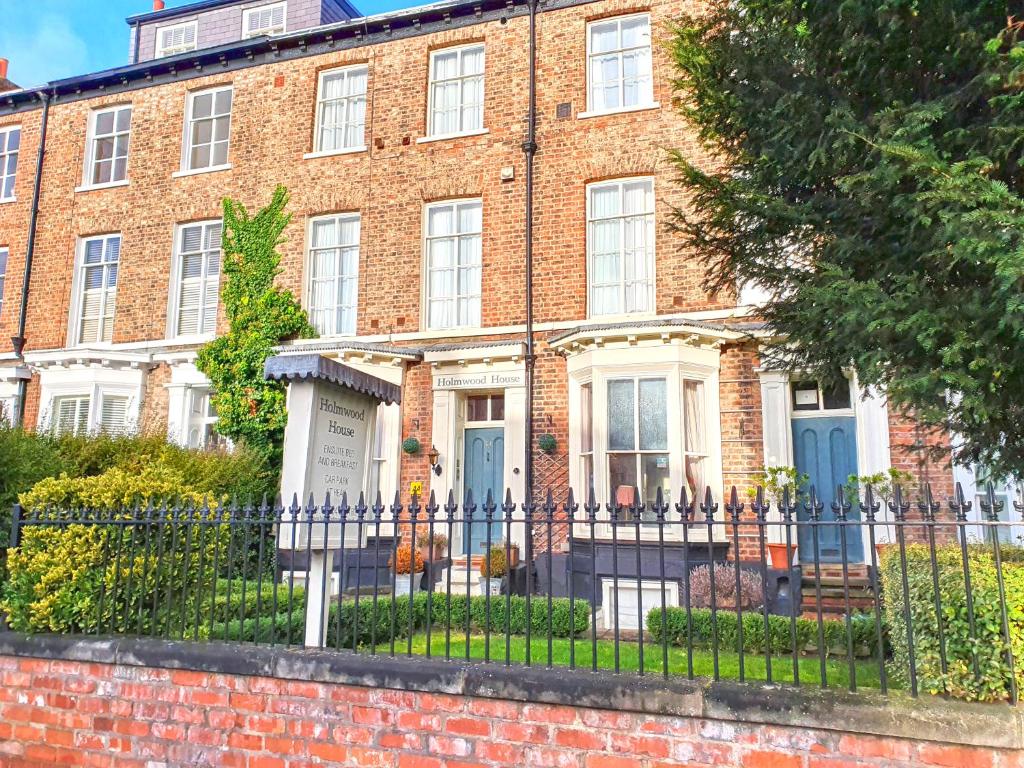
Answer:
(547, 443)
(406, 561)
(433, 547)
(776, 481)
(493, 568)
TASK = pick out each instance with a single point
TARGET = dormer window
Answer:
(178, 38)
(266, 20)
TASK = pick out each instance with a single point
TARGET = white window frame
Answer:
(93, 396)
(649, 359)
(652, 266)
(460, 51)
(264, 31)
(455, 297)
(83, 409)
(347, 72)
(651, 103)
(79, 290)
(186, 142)
(6, 253)
(336, 219)
(6, 132)
(92, 139)
(174, 302)
(162, 52)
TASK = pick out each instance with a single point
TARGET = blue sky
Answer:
(52, 39)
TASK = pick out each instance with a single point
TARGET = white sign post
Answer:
(327, 450)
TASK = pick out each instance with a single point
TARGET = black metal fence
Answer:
(859, 592)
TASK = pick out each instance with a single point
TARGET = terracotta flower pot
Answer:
(782, 555)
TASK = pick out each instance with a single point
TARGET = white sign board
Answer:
(485, 380)
(327, 445)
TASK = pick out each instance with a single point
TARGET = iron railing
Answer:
(860, 592)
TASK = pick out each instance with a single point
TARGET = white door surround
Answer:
(456, 375)
(873, 448)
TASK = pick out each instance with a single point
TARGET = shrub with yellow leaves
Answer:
(122, 565)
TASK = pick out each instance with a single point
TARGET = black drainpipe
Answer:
(530, 149)
(19, 340)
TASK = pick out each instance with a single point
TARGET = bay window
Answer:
(638, 457)
(71, 414)
(620, 247)
(643, 418)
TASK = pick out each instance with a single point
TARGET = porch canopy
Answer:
(312, 367)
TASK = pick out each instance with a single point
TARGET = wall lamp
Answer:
(433, 456)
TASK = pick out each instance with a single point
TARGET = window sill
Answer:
(620, 317)
(448, 136)
(197, 171)
(334, 152)
(95, 187)
(183, 341)
(622, 111)
(8, 200)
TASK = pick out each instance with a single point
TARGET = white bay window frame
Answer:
(201, 291)
(623, 269)
(270, 19)
(97, 154)
(639, 51)
(340, 284)
(100, 402)
(675, 363)
(467, 105)
(462, 298)
(344, 114)
(173, 39)
(95, 289)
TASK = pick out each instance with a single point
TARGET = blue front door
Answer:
(825, 449)
(485, 463)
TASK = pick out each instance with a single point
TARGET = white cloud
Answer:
(41, 47)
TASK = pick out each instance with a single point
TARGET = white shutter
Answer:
(188, 307)
(71, 415)
(114, 414)
(91, 302)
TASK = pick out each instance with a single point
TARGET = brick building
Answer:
(400, 138)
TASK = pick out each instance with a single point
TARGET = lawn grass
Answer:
(837, 670)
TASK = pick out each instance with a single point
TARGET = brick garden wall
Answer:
(106, 715)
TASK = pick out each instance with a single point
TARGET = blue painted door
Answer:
(825, 449)
(485, 466)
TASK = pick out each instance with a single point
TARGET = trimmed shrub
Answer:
(373, 622)
(989, 646)
(676, 628)
(116, 578)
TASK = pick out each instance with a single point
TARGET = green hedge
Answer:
(675, 627)
(989, 644)
(373, 622)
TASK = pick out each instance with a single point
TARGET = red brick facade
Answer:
(107, 716)
(388, 185)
